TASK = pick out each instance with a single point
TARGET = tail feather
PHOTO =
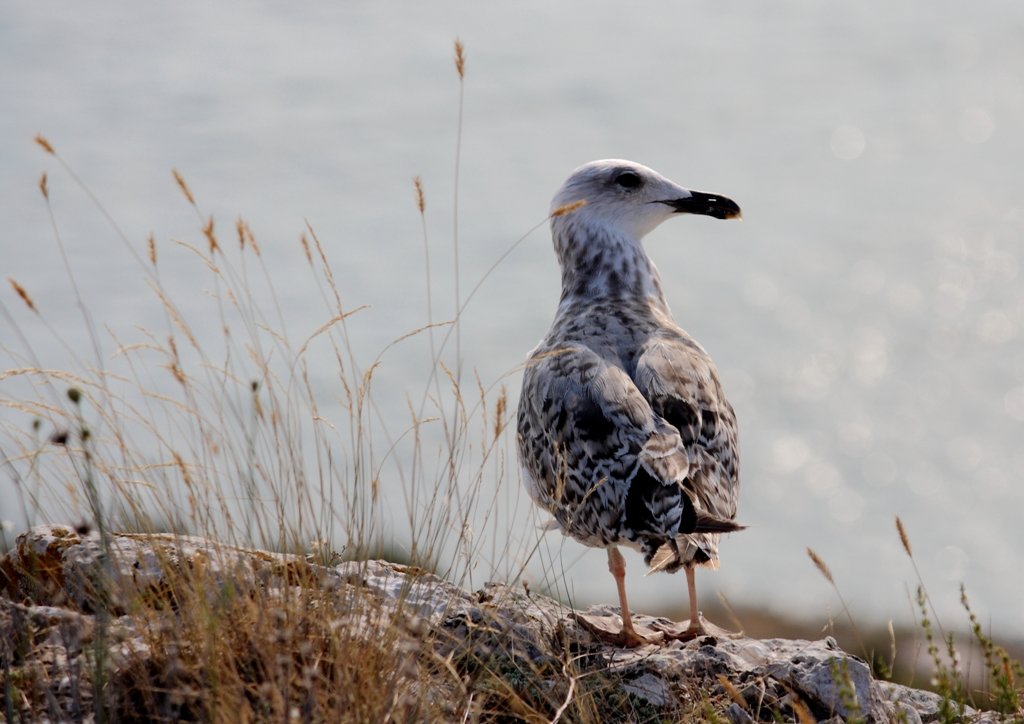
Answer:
(665, 556)
(710, 524)
(668, 556)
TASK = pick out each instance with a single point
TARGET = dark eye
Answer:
(629, 180)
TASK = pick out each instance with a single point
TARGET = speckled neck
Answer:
(599, 262)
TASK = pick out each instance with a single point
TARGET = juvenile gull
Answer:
(624, 433)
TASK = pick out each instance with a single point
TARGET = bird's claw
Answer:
(609, 630)
(695, 630)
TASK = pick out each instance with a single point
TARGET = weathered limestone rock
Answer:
(55, 583)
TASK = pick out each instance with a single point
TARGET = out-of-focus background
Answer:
(867, 316)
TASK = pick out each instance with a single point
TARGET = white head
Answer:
(598, 242)
(632, 199)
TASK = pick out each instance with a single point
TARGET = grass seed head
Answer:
(822, 567)
(180, 180)
(41, 140)
(20, 291)
(245, 236)
(211, 236)
(44, 187)
(500, 408)
(460, 59)
(802, 712)
(904, 538)
(568, 208)
(421, 202)
(733, 692)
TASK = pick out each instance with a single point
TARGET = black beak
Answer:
(699, 202)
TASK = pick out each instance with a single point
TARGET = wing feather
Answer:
(643, 452)
(586, 433)
(680, 382)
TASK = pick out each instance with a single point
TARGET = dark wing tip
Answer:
(710, 524)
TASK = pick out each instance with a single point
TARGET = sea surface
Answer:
(867, 315)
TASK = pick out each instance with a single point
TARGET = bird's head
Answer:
(631, 199)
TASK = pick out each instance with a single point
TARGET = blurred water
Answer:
(867, 316)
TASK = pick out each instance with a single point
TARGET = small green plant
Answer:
(947, 679)
(1005, 675)
(846, 691)
(1000, 691)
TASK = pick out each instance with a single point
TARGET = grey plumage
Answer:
(624, 432)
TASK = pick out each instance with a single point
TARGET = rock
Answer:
(738, 715)
(650, 687)
(499, 651)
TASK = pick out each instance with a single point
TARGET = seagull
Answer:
(624, 433)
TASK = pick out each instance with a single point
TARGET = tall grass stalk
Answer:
(219, 423)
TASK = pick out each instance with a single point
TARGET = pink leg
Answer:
(696, 627)
(617, 566)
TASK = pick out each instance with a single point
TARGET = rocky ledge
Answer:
(499, 653)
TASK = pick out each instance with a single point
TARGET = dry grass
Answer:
(227, 436)
(269, 655)
(219, 424)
